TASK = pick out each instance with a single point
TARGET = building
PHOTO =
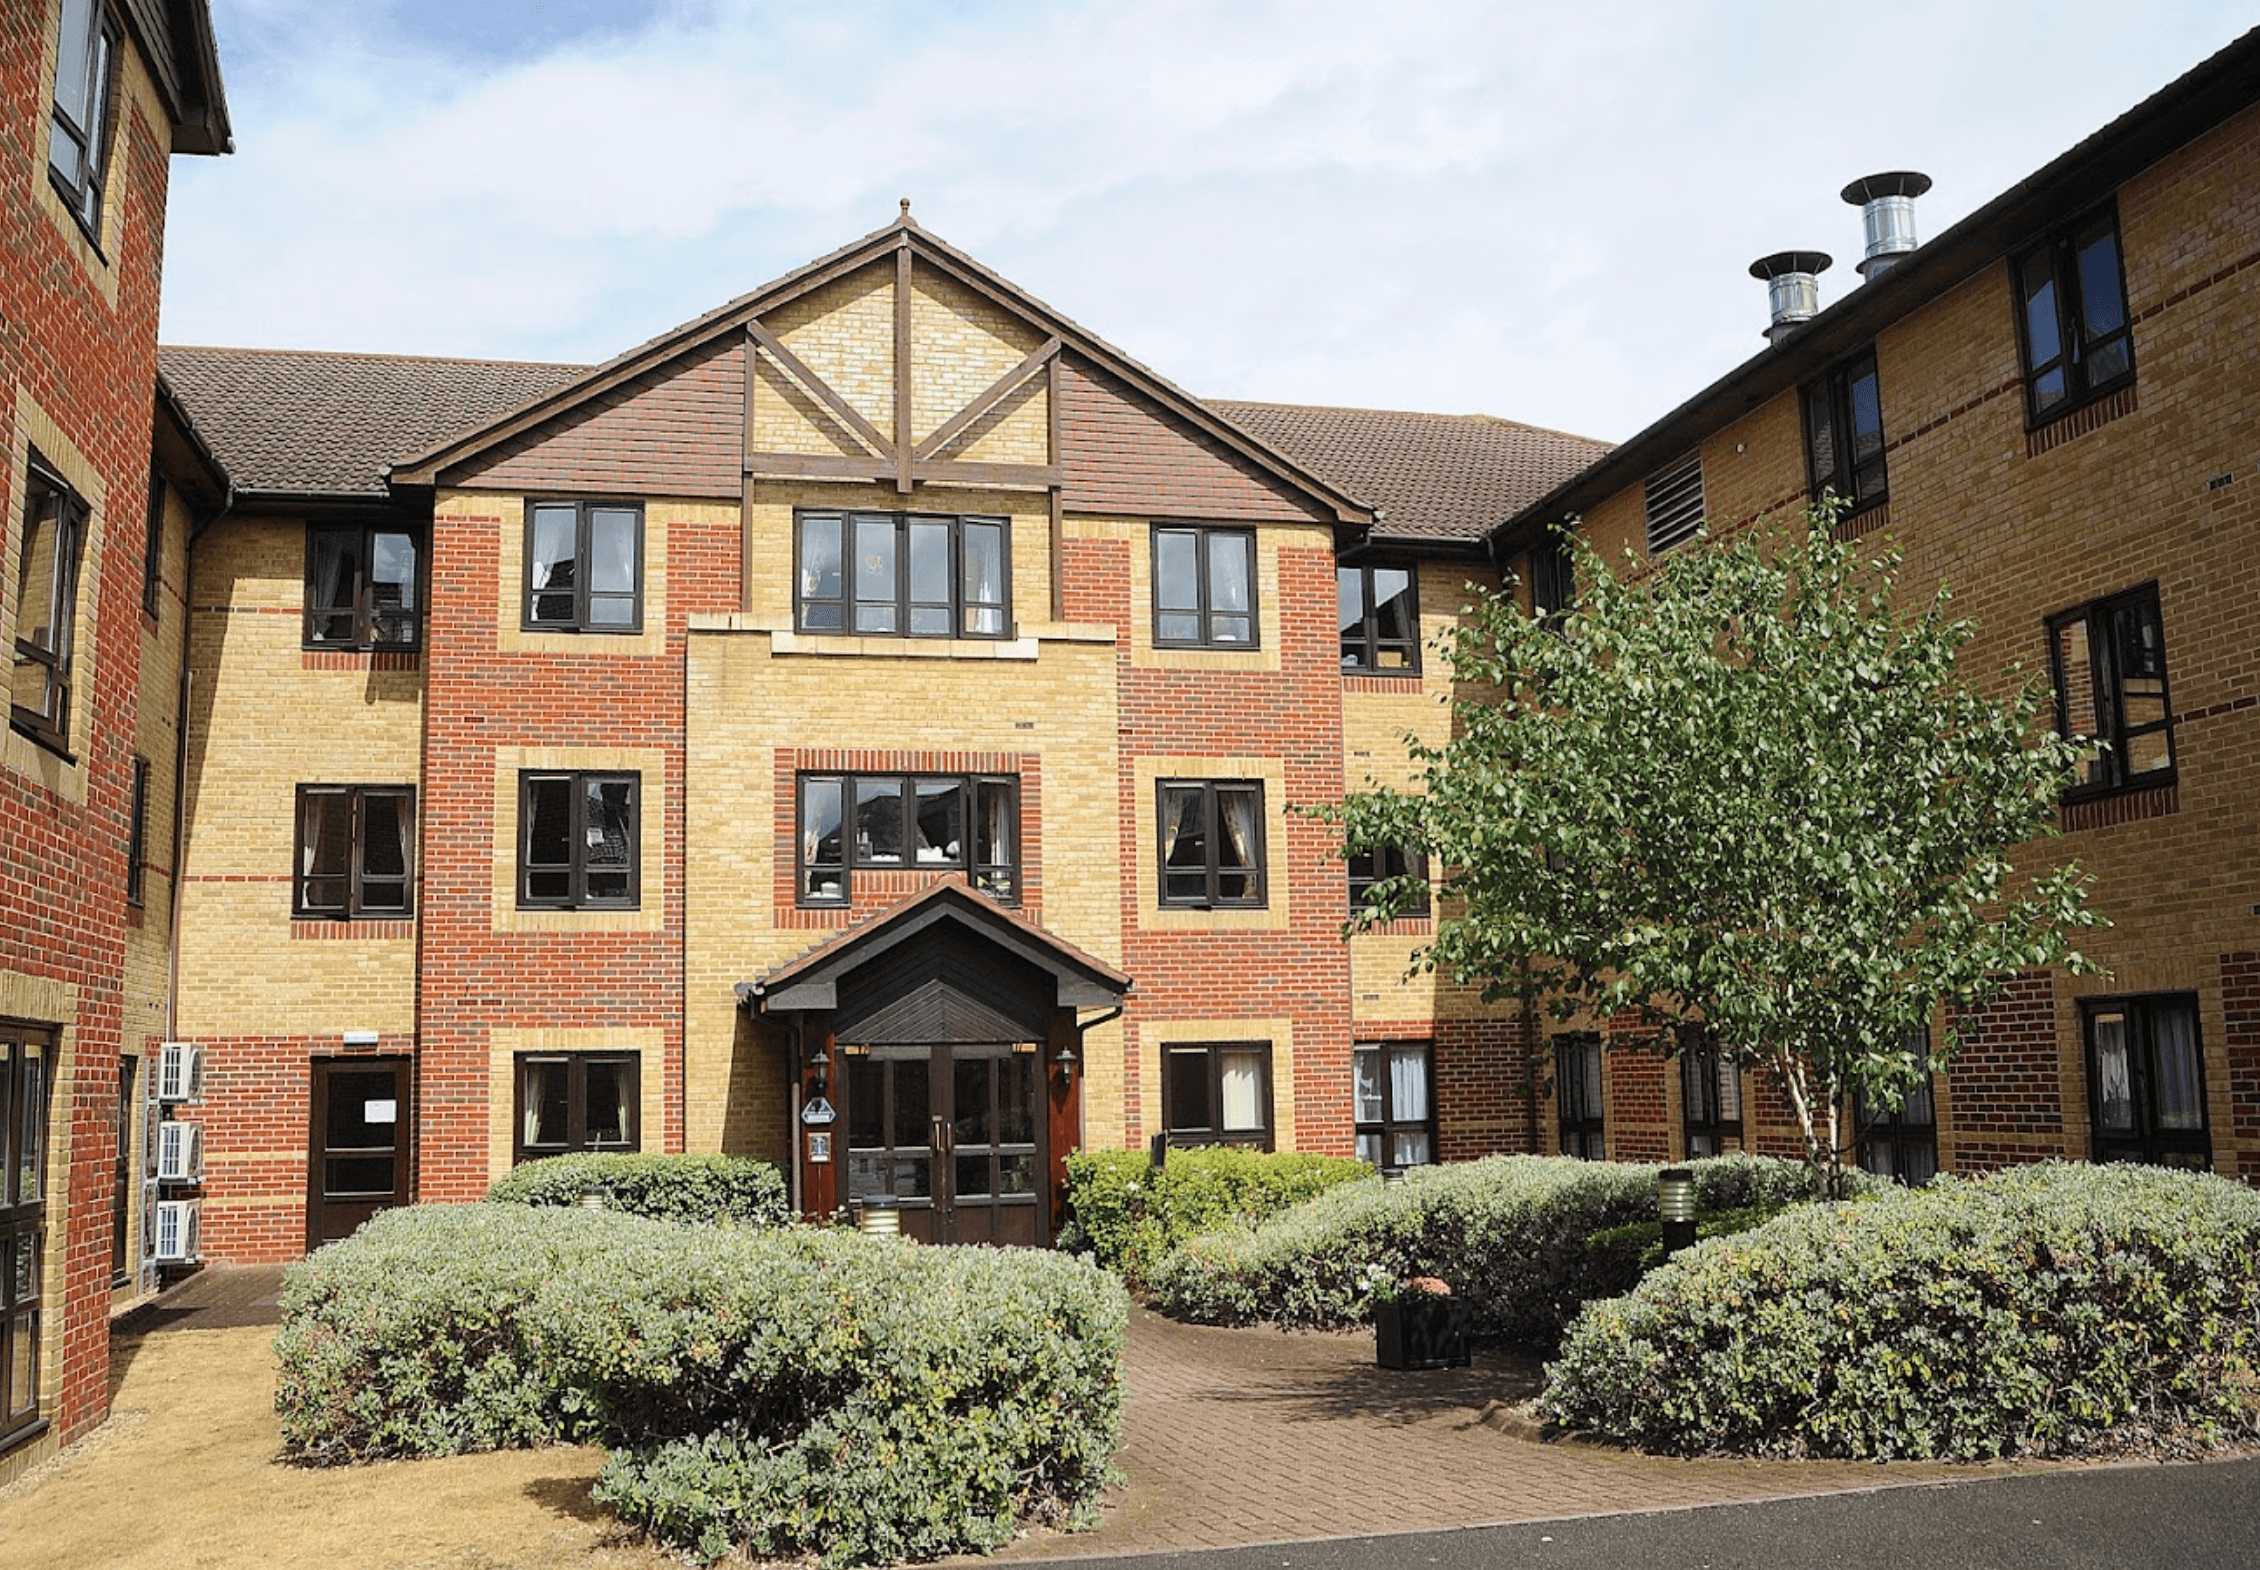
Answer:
(93, 552)
(2053, 407)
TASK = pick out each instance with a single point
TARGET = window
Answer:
(1577, 1095)
(356, 851)
(1844, 434)
(1553, 579)
(1211, 842)
(46, 608)
(78, 140)
(1710, 1086)
(2072, 317)
(1217, 1094)
(584, 567)
(360, 588)
(2109, 660)
(23, 1163)
(1205, 588)
(1674, 498)
(577, 841)
(1396, 1113)
(890, 574)
(137, 834)
(574, 1101)
(153, 545)
(922, 822)
(2146, 1081)
(1901, 1145)
(1368, 867)
(1380, 610)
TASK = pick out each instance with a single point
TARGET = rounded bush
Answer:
(1129, 1212)
(689, 1188)
(2046, 1310)
(1511, 1234)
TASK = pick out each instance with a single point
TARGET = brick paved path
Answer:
(1237, 1437)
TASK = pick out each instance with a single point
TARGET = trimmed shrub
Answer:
(661, 1188)
(2047, 1310)
(408, 1338)
(1129, 1213)
(1512, 1234)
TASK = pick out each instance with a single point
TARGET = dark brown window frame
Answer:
(71, 516)
(577, 897)
(357, 906)
(2104, 657)
(1831, 396)
(584, 508)
(1371, 646)
(2060, 250)
(1703, 1112)
(1390, 1125)
(1913, 1128)
(1204, 606)
(1262, 1138)
(576, 1103)
(1553, 579)
(1582, 1125)
(153, 546)
(137, 834)
(2148, 1143)
(364, 608)
(94, 141)
(24, 1132)
(806, 870)
(902, 604)
(1368, 867)
(1257, 869)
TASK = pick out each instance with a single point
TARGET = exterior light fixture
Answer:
(1392, 1176)
(1065, 1060)
(879, 1216)
(1675, 1207)
(820, 1070)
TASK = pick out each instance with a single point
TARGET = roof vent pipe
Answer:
(1887, 212)
(1793, 288)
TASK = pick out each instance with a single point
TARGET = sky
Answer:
(1541, 211)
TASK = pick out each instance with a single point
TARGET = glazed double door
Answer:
(954, 1133)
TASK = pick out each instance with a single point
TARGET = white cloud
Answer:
(1541, 212)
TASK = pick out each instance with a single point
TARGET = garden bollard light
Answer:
(1675, 1207)
(1392, 1176)
(880, 1216)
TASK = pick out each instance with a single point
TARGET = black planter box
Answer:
(1421, 1330)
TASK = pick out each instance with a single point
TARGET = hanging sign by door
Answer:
(817, 1113)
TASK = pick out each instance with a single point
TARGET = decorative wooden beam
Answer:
(996, 393)
(820, 389)
(1017, 476)
(820, 465)
(903, 455)
(745, 490)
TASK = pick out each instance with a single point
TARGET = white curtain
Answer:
(1238, 810)
(1242, 1076)
(1408, 1086)
(2181, 1096)
(1367, 1066)
(2111, 1072)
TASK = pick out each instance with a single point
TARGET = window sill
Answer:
(363, 928)
(2121, 804)
(37, 733)
(836, 644)
(2061, 425)
(1360, 680)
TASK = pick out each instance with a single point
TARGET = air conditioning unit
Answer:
(180, 1152)
(179, 1227)
(180, 1071)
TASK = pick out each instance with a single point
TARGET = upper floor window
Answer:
(571, 1101)
(78, 139)
(1674, 500)
(1205, 588)
(1217, 1094)
(1553, 579)
(1211, 842)
(153, 544)
(1710, 1085)
(46, 607)
(897, 822)
(1844, 434)
(137, 835)
(2072, 325)
(1577, 1096)
(2146, 1081)
(356, 851)
(360, 588)
(1368, 867)
(578, 841)
(584, 567)
(1395, 1111)
(2109, 660)
(1380, 610)
(891, 574)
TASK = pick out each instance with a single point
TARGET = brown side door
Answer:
(357, 1154)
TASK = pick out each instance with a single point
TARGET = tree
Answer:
(1741, 791)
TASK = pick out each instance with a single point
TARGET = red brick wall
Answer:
(2005, 1085)
(2240, 1048)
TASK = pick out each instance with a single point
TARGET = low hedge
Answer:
(663, 1188)
(1129, 1213)
(788, 1391)
(2047, 1311)
(1512, 1234)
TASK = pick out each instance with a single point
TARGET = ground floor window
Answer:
(574, 1101)
(1710, 1095)
(1577, 1093)
(1900, 1144)
(2146, 1081)
(1217, 1093)
(1396, 1111)
(25, 1061)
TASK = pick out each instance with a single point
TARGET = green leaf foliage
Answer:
(1741, 788)
(691, 1188)
(1514, 1235)
(2050, 1310)
(1129, 1213)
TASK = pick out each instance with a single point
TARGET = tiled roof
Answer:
(1434, 476)
(303, 423)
